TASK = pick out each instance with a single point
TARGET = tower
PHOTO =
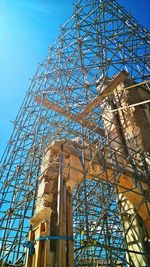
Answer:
(98, 44)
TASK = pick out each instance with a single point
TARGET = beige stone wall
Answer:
(135, 121)
(135, 233)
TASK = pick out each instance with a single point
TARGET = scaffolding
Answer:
(89, 91)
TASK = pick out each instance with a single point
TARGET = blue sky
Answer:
(27, 28)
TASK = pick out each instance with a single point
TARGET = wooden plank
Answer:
(30, 258)
(64, 262)
(109, 89)
(47, 259)
(55, 107)
(59, 245)
(70, 246)
(39, 245)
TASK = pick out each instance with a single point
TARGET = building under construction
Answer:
(75, 175)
